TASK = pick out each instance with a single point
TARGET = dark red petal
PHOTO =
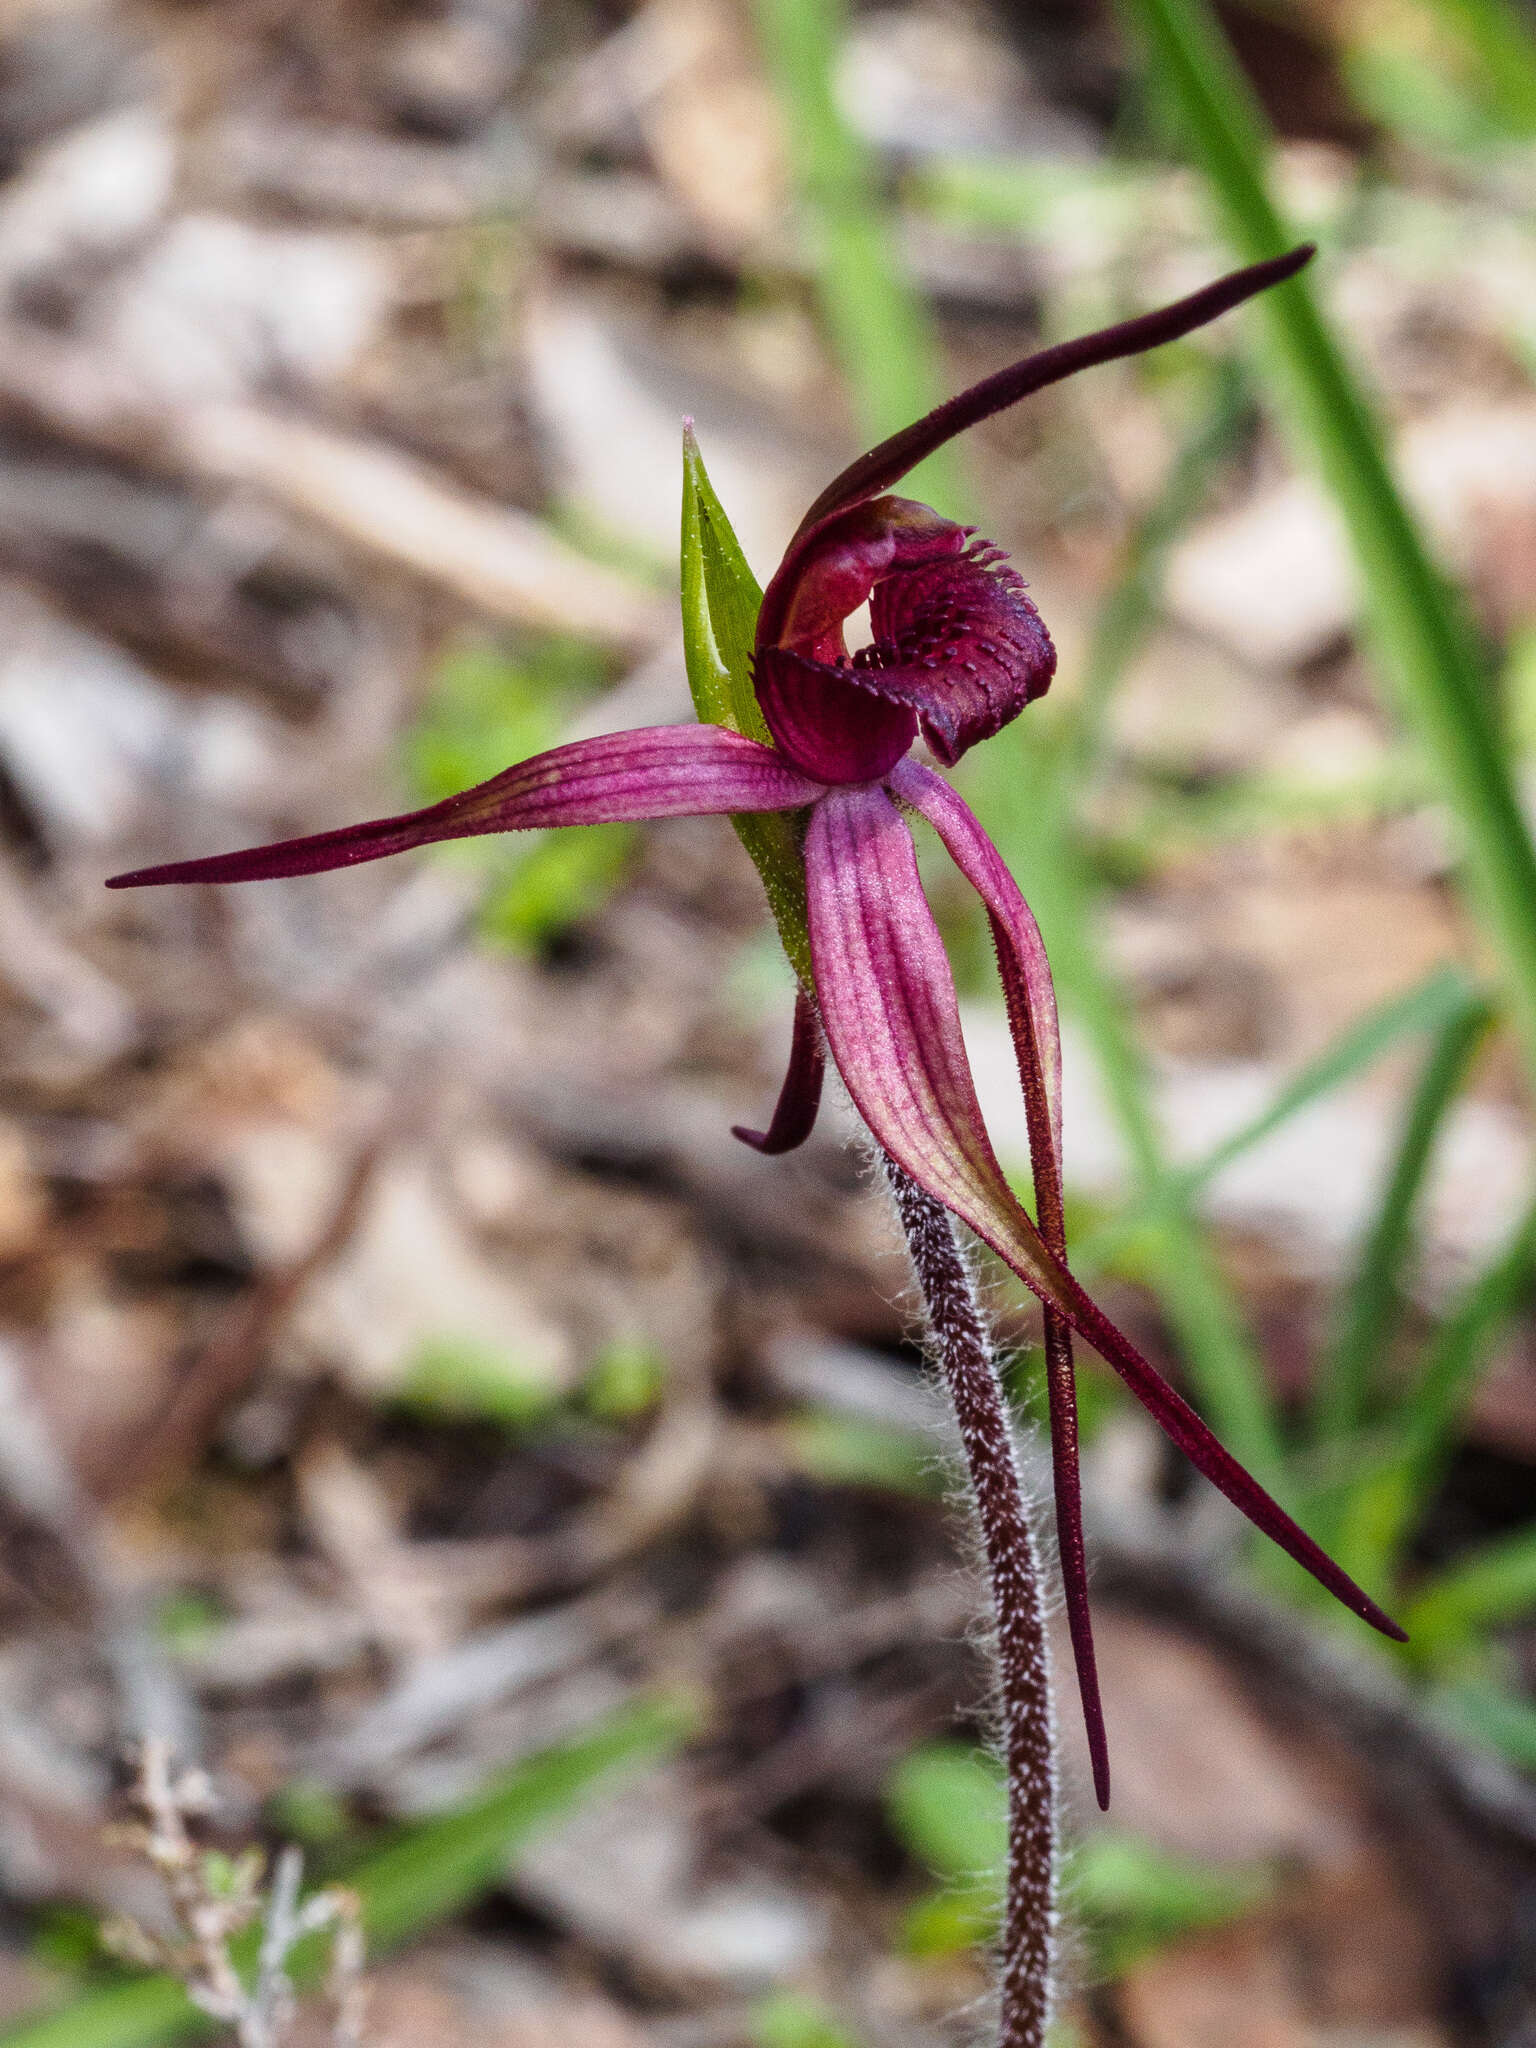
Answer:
(1031, 1004)
(889, 462)
(961, 643)
(892, 1020)
(794, 1114)
(956, 640)
(824, 723)
(661, 771)
(853, 552)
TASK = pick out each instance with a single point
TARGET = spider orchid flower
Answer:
(958, 650)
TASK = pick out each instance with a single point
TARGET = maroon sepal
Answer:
(794, 1114)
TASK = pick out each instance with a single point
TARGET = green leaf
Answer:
(1417, 622)
(949, 1807)
(1492, 1587)
(454, 1379)
(721, 598)
(849, 1450)
(429, 1872)
(1349, 1375)
(789, 2021)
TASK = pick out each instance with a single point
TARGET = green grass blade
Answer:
(1489, 1713)
(1373, 1302)
(1490, 1588)
(1417, 623)
(1430, 1005)
(1130, 609)
(439, 1866)
(1425, 1007)
(139, 2014)
(1374, 1515)
(431, 1871)
(878, 326)
(1432, 1410)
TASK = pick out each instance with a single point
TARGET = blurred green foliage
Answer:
(451, 1379)
(492, 705)
(847, 1450)
(627, 1379)
(881, 330)
(455, 1380)
(948, 1806)
(787, 2020)
(426, 1872)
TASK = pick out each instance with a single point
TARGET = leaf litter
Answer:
(406, 1370)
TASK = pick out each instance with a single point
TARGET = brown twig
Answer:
(226, 1367)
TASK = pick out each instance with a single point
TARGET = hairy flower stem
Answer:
(963, 1349)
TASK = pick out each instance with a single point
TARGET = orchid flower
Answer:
(958, 651)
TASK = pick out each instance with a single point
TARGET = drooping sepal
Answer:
(794, 1114)
(1031, 1002)
(892, 1021)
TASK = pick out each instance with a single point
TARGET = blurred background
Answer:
(414, 1406)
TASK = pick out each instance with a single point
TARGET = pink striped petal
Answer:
(893, 1026)
(794, 1115)
(1030, 997)
(662, 771)
(1022, 957)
